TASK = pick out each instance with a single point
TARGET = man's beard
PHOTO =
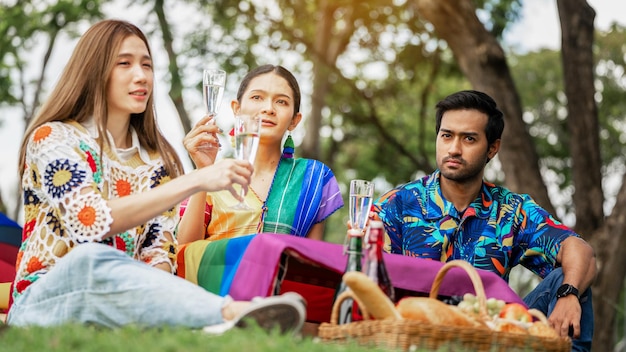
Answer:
(465, 173)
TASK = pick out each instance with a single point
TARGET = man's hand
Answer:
(566, 316)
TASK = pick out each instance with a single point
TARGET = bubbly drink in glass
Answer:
(360, 202)
(246, 145)
(213, 82)
(247, 135)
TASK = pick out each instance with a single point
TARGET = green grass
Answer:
(85, 339)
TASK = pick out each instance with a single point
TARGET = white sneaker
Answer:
(286, 312)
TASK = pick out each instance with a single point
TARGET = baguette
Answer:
(432, 311)
(377, 304)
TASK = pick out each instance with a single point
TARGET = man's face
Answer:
(462, 147)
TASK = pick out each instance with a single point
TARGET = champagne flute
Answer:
(361, 197)
(213, 81)
(247, 135)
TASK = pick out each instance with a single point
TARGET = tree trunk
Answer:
(582, 120)
(608, 243)
(176, 84)
(482, 61)
(328, 45)
(576, 17)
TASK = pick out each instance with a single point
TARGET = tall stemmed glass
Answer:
(213, 81)
(247, 132)
(361, 196)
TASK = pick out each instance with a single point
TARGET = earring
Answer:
(288, 147)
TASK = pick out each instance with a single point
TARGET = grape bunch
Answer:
(470, 304)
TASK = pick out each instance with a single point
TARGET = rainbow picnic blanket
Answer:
(247, 267)
(212, 264)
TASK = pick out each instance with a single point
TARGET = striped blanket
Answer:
(246, 267)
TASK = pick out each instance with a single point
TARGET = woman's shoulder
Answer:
(312, 163)
(58, 132)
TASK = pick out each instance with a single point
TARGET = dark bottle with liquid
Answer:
(348, 311)
(374, 266)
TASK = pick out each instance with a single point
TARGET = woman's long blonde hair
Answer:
(82, 92)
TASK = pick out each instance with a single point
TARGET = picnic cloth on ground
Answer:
(248, 266)
(10, 240)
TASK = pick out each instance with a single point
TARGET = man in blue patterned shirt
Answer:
(454, 214)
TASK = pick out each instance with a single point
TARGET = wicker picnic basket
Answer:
(411, 335)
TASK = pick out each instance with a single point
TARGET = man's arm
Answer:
(578, 261)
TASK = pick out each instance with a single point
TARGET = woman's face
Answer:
(130, 84)
(270, 95)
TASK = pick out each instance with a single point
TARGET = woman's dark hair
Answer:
(472, 99)
(279, 70)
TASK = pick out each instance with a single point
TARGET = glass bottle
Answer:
(374, 266)
(348, 311)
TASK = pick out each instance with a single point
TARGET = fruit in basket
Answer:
(470, 305)
(517, 312)
(367, 292)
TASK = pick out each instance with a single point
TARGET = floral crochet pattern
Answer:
(66, 199)
(93, 159)
(61, 177)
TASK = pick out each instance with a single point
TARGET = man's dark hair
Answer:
(472, 99)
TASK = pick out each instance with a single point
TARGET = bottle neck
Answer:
(355, 253)
(375, 243)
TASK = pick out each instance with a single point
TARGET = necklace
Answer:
(269, 191)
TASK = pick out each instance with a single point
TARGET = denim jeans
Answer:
(97, 284)
(543, 298)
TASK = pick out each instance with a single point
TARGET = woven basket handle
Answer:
(539, 315)
(473, 275)
(334, 316)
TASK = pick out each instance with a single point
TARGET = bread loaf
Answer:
(539, 328)
(510, 325)
(429, 310)
(371, 296)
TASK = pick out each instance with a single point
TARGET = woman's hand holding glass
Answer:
(203, 134)
(224, 174)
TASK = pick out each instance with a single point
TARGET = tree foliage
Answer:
(371, 72)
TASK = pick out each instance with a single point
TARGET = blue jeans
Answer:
(543, 298)
(97, 284)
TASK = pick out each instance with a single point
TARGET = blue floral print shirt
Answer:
(498, 230)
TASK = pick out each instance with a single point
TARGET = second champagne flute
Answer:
(361, 196)
(213, 81)
(247, 134)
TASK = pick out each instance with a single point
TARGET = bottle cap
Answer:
(355, 233)
(376, 224)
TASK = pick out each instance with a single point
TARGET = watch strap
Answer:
(566, 290)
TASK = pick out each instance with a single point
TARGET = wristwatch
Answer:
(566, 289)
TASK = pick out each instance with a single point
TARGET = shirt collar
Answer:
(439, 206)
(122, 154)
